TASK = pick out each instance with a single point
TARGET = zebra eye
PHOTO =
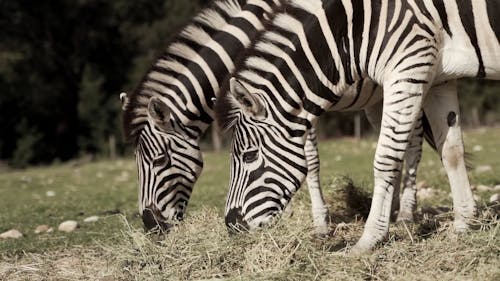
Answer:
(160, 161)
(250, 156)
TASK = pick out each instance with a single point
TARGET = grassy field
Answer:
(116, 248)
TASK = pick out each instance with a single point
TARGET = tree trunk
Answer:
(216, 140)
(357, 126)
(476, 122)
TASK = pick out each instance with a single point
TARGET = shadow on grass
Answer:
(346, 201)
(349, 203)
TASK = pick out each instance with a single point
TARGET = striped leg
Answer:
(442, 110)
(407, 205)
(318, 205)
(413, 155)
(402, 106)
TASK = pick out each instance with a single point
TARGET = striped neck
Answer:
(187, 75)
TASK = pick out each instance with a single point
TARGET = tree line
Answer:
(63, 64)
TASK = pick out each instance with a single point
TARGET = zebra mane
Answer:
(226, 109)
(192, 37)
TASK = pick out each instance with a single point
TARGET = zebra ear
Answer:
(248, 101)
(124, 99)
(159, 114)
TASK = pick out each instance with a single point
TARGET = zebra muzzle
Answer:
(153, 220)
(234, 221)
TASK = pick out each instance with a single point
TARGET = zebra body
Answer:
(172, 107)
(303, 65)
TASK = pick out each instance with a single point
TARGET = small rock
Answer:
(26, 179)
(50, 230)
(13, 233)
(68, 226)
(495, 198)
(50, 193)
(425, 193)
(422, 184)
(477, 148)
(483, 188)
(483, 169)
(91, 219)
(497, 187)
(476, 198)
(41, 228)
(123, 177)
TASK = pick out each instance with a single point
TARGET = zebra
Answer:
(165, 123)
(415, 49)
(151, 138)
(171, 108)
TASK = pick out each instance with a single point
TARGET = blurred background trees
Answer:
(63, 64)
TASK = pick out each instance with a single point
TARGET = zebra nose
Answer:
(234, 221)
(151, 218)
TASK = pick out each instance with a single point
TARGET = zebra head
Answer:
(169, 163)
(268, 163)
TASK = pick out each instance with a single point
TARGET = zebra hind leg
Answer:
(443, 112)
(318, 206)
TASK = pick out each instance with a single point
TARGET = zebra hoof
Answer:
(322, 231)
(460, 226)
(359, 250)
(406, 217)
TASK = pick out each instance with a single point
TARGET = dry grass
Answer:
(116, 248)
(201, 248)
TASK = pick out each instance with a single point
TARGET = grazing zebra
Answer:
(303, 64)
(170, 110)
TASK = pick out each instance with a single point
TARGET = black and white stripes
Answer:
(305, 63)
(172, 107)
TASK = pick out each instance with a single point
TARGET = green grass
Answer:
(201, 248)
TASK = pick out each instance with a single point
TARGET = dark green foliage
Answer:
(63, 64)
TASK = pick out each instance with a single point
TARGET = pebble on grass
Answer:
(68, 226)
(477, 148)
(13, 233)
(483, 188)
(425, 193)
(91, 219)
(42, 228)
(483, 169)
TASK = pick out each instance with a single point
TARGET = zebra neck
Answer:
(187, 75)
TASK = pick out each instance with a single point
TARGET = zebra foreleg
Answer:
(408, 203)
(442, 110)
(407, 206)
(374, 116)
(402, 107)
(318, 206)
